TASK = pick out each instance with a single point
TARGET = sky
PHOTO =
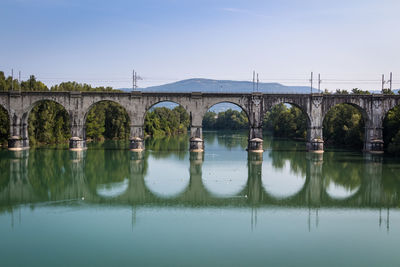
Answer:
(350, 43)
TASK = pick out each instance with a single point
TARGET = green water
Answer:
(108, 206)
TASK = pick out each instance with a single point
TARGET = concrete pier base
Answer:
(77, 144)
(375, 147)
(316, 146)
(17, 143)
(136, 144)
(196, 144)
(255, 145)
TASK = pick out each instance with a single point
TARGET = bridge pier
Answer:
(19, 135)
(315, 144)
(374, 139)
(17, 143)
(255, 142)
(77, 144)
(255, 145)
(136, 142)
(196, 139)
(78, 140)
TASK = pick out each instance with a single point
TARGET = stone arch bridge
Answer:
(315, 106)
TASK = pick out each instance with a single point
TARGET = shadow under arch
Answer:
(339, 123)
(114, 106)
(52, 105)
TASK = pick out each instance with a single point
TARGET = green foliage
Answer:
(107, 120)
(286, 122)
(48, 123)
(74, 86)
(226, 120)
(164, 121)
(391, 131)
(7, 83)
(341, 92)
(4, 125)
(387, 91)
(49, 173)
(356, 91)
(344, 126)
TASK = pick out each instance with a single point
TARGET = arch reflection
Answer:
(120, 177)
(284, 173)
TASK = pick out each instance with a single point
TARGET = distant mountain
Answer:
(223, 86)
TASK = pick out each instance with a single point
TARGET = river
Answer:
(108, 206)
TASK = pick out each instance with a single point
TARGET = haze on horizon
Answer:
(351, 43)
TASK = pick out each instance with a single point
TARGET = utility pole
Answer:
(383, 82)
(12, 79)
(19, 80)
(133, 80)
(390, 81)
(254, 77)
(311, 81)
(257, 82)
(319, 83)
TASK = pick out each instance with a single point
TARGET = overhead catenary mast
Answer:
(383, 82)
(311, 81)
(12, 79)
(257, 82)
(133, 80)
(254, 76)
(19, 80)
(319, 83)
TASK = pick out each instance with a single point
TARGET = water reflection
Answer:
(343, 174)
(218, 177)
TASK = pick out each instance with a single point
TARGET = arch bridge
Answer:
(255, 105)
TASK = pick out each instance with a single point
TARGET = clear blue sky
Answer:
(100, 42)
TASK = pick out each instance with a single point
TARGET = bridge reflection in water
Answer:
(121, 177)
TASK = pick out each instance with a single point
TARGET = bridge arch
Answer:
(231, 104)
(303, 117)
(213, 102)
(152, 104)
(63, 112)
(360, 105)
(126, 119)
(182, 122)
(351, 131)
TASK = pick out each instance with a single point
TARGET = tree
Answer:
(344, 126)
